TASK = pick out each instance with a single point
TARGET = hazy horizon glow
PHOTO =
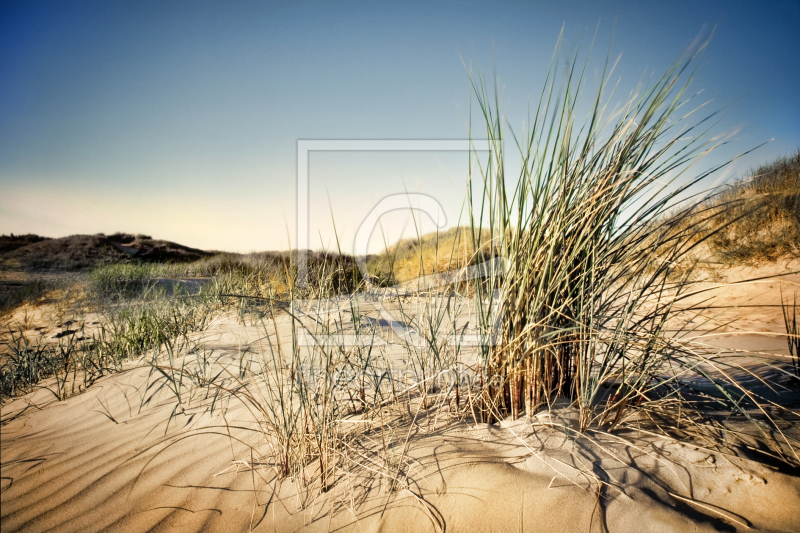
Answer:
(181, 119)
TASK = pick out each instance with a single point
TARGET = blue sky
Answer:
(181, 119)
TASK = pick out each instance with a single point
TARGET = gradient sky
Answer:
(181, 119)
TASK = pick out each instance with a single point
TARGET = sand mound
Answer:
(107, 461)
(92, 463)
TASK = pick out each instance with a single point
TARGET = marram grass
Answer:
(588, 283)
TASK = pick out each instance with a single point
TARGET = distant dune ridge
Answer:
(761, 214)
(78, 252)
(755, 219)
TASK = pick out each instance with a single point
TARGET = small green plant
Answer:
(26, 363)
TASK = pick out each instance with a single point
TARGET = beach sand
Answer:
(100, 461)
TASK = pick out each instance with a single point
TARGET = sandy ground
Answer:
(102, 461)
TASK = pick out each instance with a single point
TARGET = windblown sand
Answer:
(100, 461)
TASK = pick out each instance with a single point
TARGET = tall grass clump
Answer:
(580, 308)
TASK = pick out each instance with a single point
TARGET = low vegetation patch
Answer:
(428, 254)
(82, 352)
(760, 215)
(752, 220)
(31, 291)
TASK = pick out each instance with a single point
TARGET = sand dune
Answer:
(100, 461)
(68, 467)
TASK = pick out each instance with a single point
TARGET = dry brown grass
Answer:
(753, 220)
(428, 254)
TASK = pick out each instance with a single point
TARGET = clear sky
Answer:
(181, 119)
